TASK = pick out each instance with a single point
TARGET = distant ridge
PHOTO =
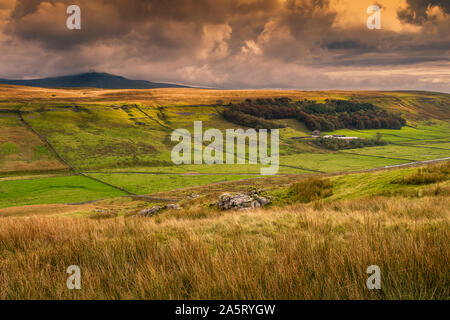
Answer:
(91, 79)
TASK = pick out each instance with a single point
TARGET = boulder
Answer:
(156, 209)
(172, 207)
(262, 200)
(192, 196)
(241, 201)
(150, 212)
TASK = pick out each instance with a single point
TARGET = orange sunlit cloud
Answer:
(309, 44)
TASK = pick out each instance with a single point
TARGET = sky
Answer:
(234, 44)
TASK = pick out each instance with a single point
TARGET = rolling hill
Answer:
(77, 166)
(122, 137)
(91, 79)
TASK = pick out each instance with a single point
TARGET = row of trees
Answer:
(377, 119)
(266, 111)
(328, 116)
(338, 144)
(334, 107)
(248, 120)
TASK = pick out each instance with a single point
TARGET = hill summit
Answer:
(91, 79)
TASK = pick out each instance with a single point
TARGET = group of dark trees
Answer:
(328, 116)
(248, 120)
(339, 114)
(376, 119)
(338, 144)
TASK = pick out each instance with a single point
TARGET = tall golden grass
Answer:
(304, 251)
(429, 174)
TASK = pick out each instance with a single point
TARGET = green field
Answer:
(69, 189)
(410, 153)
(149, 183)
(335, 162)
(423, 131)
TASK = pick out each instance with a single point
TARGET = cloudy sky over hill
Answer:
(310, 44)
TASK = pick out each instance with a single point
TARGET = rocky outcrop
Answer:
(227, 201)
(156, 209)
(150, 212)
(172, 207)
(241, 201)
(192, 196)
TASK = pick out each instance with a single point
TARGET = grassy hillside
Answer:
(418, 105)
(21, 150)
(149, 183)
(103, 132)
(74, 165)
(315, 250)
(179, 187)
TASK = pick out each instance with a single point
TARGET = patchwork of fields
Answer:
(77, 167)
(122, 138)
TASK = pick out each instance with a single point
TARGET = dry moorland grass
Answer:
(304, 251)
(411, 102)
(44, 209)
(24, 156)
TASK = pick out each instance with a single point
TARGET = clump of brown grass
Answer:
(106, 214)
(295, 252)
(310, 189)
(427, 175)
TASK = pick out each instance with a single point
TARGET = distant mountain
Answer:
(91, 79)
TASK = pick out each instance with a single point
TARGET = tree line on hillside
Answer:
(339, 144)
(247, 120)
(328, 116)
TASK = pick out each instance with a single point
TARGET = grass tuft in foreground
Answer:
(427, 175)
(310, 189)
(295, 252)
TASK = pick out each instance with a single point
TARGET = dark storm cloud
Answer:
(162, 21)
(223, 43)
(346, 45)
(168, 29)
(387, 48)
(416, 11)
(291, 31)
